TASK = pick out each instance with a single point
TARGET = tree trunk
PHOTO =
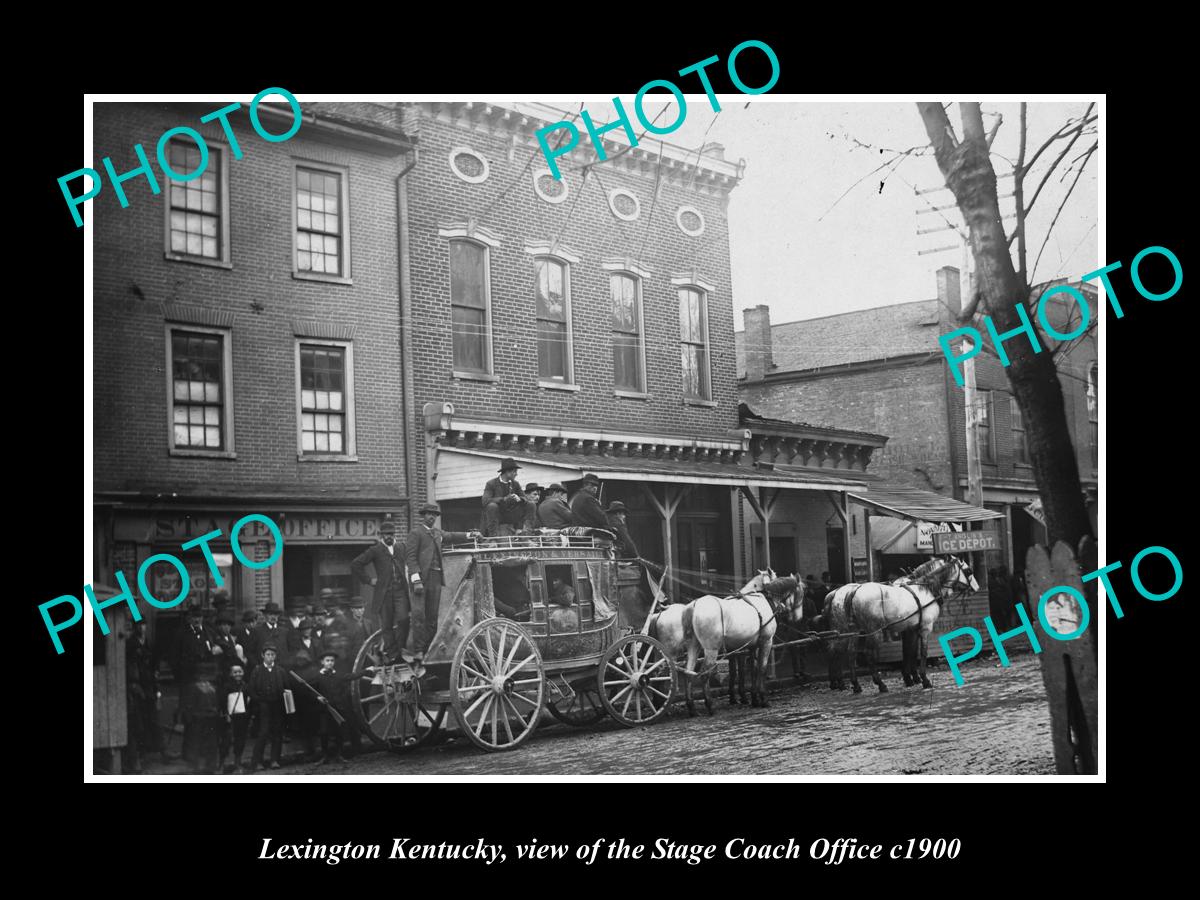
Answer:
(969, 175)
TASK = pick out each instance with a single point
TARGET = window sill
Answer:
(696, 401)
(198, 260)
(326, 457)
(202, 454)
(557, 385)
(317, 276)
(475, 376)
(631, 395)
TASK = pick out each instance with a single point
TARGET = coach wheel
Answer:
(636, 680)
(497, 685)
(388, 702)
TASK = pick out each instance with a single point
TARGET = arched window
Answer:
(628, 351)
(693, 338)
(553, 298)
(469, 306)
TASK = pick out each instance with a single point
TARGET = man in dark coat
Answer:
(424, 557)
(265, 689)
(225, 644)
(553, 512)
(585, 505)
(334, 686)
(202, 719)
(303, 657)
(387, 559)
(193, 645)
(354, 629)
(271, 631)
(244, 635)
(505, 508)
(141, 687)
(624, 546)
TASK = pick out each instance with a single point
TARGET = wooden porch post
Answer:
(867, 536)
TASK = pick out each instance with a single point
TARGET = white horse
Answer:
(745, 621)
(907, 608)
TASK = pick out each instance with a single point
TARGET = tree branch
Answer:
(1067, 128)
(1019, 196)
(1050, 171)
(1066, 197)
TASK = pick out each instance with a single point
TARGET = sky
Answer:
(804, 252)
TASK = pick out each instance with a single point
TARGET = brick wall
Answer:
(132, 280)
(587, 227)
(907, 403)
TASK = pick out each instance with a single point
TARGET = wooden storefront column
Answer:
(762, 504)
(841, 505)
(867, 537)
(672, 496)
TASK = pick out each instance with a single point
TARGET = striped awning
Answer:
(920, 506)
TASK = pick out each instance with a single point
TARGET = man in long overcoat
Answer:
(386, 557)
(424, 555)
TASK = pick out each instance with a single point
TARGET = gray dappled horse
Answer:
(907, 608)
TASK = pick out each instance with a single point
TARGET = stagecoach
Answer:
(566, 650)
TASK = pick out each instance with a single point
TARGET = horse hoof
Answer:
(691, 711)
(883, 689)
(925, 684)
(857, 689)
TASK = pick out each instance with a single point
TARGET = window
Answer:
(197, 227)
(554, 320)
(322, 236)
(983, 426)
(693, 336)
(1020, 443)
(199, 361)
(1093, 405)
(627, 333)
(326, 398)
(469, 304)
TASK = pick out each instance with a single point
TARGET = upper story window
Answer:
(628, 346)
(197, 210)
(199, 362)
(1093, 405)
(326, 398)
(322, 223)
(1020, 441)
(470, 307)
(983, 425)
(553, 291)
(693, 337)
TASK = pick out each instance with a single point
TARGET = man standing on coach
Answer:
(387, 558)
(424, 556)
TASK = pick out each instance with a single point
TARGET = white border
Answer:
(88, 159)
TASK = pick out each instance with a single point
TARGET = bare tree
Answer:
(966, 165)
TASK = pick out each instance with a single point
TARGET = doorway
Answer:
(835, 541)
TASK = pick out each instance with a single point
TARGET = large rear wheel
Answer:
(497, 685)
(388, 703)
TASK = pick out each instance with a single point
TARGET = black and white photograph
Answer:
(490, 437)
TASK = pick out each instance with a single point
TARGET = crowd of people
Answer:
(246, 682)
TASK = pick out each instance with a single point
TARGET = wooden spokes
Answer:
(388, 702)
(497, 684)
(584, 708)
(636, 680)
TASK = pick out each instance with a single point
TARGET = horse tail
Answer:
(688, 632)
(652, 626)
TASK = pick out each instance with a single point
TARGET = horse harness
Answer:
(775, 607)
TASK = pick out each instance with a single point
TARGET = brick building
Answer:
(581, 325)
(882, 370)
(247, 348)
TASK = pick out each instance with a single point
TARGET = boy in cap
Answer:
(585, 505)
(335, 688)
(424, 558)
(266, 689)
(387, 559)
(505, 508)
(553, 511)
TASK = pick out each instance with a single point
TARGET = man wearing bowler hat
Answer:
(387, 559)
(585, 505)
(424, 556)
(505, 508)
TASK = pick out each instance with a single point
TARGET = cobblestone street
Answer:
(996, 723)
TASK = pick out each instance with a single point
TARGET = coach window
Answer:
(197, 210)
(199, 361)
(322, 223)
(325, 399)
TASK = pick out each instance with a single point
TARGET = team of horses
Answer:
(742, 626)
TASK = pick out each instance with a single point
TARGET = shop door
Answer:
(835, 540)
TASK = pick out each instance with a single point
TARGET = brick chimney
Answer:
(713, 150)
(756, 342)
(949, 291)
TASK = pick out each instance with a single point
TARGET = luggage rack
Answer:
(590, 538)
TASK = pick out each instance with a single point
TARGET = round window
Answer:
(549, 188)
(468, 165)
(624, 204)
(689, 220)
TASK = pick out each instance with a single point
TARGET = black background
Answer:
(1006, 829)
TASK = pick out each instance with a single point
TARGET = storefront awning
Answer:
(463, 473)
(920, 506)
